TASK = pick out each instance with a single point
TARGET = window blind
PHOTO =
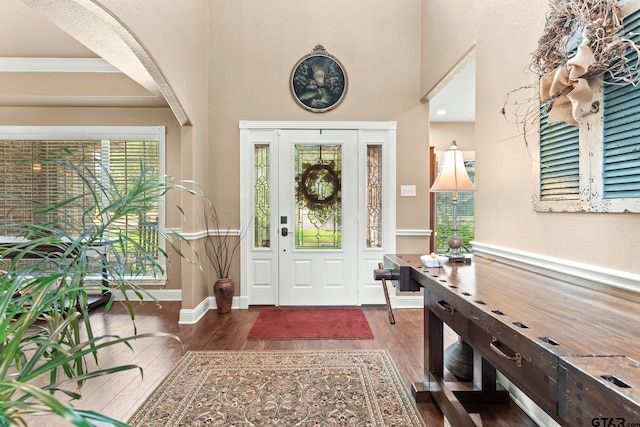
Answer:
(559, 159)
(621, 129)
(128, 160)
(33, 182)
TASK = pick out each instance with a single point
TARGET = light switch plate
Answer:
(407, 191)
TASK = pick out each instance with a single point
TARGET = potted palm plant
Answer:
(45, 329)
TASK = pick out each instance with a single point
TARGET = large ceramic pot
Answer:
(223, 290)
(458, 359)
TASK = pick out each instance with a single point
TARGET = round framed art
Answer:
(318, 81)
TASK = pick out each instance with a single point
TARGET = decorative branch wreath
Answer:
(593, 23)
(582, 39)
(310, 175)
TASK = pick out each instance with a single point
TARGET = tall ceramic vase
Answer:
(223, 290)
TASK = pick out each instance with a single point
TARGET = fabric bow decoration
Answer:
(573, 93)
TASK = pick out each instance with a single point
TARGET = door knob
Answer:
(284, 231)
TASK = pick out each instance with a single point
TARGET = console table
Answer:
(573, 349)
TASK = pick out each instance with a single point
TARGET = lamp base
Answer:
(455, 253)
(459, 260)
(458, 359)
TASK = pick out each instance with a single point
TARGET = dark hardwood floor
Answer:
(121, 394)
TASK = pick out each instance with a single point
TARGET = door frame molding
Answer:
(269, 130)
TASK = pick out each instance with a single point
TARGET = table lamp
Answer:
(453, 178)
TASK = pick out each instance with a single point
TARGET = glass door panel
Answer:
(318, 214)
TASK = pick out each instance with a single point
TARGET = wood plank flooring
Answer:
(121, 394)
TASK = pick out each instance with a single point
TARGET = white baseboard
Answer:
(573, 272)
(193, 315)
(189, 316)
(407, 301)
(158, 294)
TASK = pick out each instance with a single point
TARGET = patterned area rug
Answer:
(281, 388)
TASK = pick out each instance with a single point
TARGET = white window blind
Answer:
(128, 160)
(32, 182)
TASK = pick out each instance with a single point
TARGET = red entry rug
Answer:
(274, 323)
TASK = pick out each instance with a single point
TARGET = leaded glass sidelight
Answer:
(318, 171)
(261, 202)
(374, 196)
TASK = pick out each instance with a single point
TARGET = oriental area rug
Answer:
(310, 323)
(281, 388)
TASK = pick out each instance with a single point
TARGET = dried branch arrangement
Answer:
(582, 39)
(594, 23)
(220, 244)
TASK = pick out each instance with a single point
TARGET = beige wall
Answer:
(504, 33)
(176, 35)
(251, 48)
(254, 46)
(442, 134)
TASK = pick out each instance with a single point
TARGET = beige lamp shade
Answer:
(453, 175)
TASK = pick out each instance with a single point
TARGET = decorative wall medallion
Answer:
(318, 81)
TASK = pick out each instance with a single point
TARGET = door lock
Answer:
(284, 231)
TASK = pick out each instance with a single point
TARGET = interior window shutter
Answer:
(621, 129)
(559, 159)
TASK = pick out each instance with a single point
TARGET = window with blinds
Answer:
(33, 181)
(559, 159)
(621, 129)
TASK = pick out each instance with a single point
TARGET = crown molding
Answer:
(56, 65)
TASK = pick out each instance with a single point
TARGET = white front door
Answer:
(317, 210)
(331, 185)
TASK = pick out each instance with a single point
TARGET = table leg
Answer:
(433, 353)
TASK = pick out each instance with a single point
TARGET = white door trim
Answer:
(265, 132)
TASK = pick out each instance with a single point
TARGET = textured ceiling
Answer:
(25, 33)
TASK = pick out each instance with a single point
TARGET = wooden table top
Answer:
(593, 327)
